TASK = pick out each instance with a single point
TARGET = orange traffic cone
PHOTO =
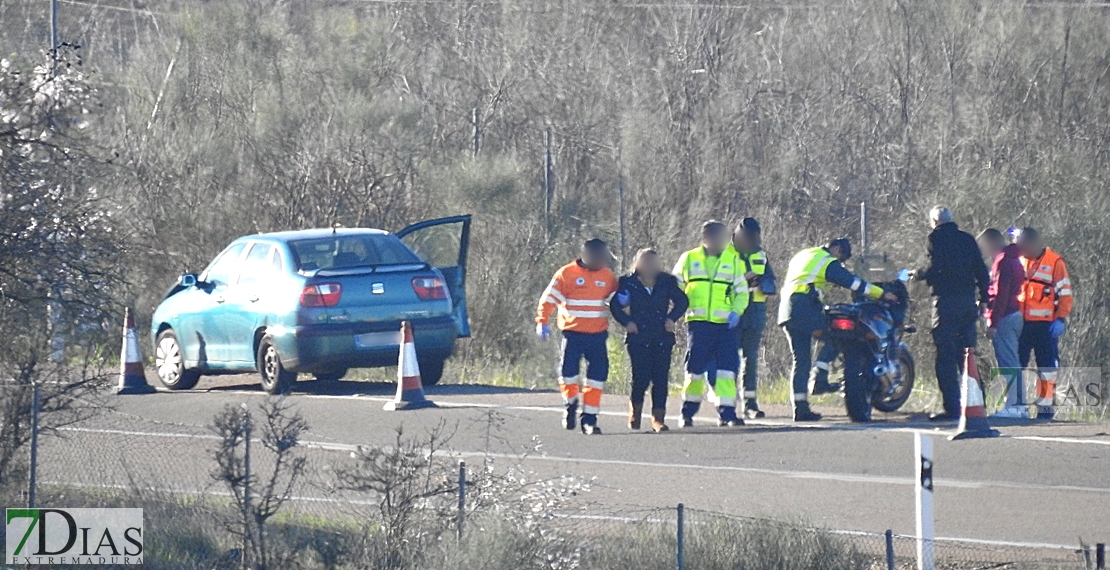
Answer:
(973, 416)
(132, 378)
(410, 391)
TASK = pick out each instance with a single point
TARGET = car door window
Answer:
(438, 245)
(257, 267)
(225, 269)
(443, 243)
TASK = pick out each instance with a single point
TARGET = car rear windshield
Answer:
(351, 251)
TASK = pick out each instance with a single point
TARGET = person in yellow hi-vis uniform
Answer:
(712, 277)
(802, 312)
(747, 242)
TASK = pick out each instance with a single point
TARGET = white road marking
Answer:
(1060, 439)
(883, 427)
(806, 475)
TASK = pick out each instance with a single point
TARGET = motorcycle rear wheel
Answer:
(858, 387)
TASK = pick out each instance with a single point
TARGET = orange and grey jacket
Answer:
(581, 296)
(1046, 293)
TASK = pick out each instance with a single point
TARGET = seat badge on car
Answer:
(377, 288)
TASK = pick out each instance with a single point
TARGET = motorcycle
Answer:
(879, 369)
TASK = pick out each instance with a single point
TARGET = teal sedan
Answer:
(317, 301)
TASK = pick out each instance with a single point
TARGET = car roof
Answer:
(288, 236)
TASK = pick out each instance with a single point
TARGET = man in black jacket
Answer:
(956, 273)
(647, 304)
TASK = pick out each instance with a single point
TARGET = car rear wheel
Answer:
(275, 378)
(431, 371)
(170, 363)
(331, 375)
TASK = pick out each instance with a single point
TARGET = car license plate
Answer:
(378, 339)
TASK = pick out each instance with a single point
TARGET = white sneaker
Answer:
(1012, 412)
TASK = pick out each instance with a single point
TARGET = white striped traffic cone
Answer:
(132, 378)
(410, 391)
(973, 414)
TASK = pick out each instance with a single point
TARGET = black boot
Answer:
(802, 413)
(570, 416)
(726, 417)
(589, 424)
(751, 410)
(945, 417)
(689, 410)
(635, 413)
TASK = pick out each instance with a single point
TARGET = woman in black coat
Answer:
(647, 304)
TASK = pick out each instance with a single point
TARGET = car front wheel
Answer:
(169, 360)
(275, 378)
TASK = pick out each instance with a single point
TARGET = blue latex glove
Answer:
(623, 297)
(733, 319)
(543, 331)
(1056, 329)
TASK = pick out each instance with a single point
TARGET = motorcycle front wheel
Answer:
(894, 387)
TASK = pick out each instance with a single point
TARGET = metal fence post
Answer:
(680, 552)
(462, 501)
(32, 474)
(1100, 556)
(889, 550)
(247, 531)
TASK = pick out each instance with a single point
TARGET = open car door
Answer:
(443, 244)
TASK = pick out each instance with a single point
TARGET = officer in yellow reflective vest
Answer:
(747, 240)
(712, 276)
(802, 311)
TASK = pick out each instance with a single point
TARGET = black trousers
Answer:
(953, 332)
(651, 366)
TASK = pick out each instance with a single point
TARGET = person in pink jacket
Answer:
(1003, 314)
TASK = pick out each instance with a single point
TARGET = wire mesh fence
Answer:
(109, 457)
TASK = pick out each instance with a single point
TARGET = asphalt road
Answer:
(1038, 484)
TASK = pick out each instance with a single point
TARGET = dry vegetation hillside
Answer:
(214, 119)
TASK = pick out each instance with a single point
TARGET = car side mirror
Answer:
(188, 280)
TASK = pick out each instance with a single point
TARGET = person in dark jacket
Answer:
(956, 273)
(647, 304)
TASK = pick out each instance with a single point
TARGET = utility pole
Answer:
(548, 183)
(620, 201)
(53, 37)
(863, 229)
(475, 120)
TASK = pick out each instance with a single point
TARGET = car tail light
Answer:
(429, 288)
(321, 295)
(843, 324)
